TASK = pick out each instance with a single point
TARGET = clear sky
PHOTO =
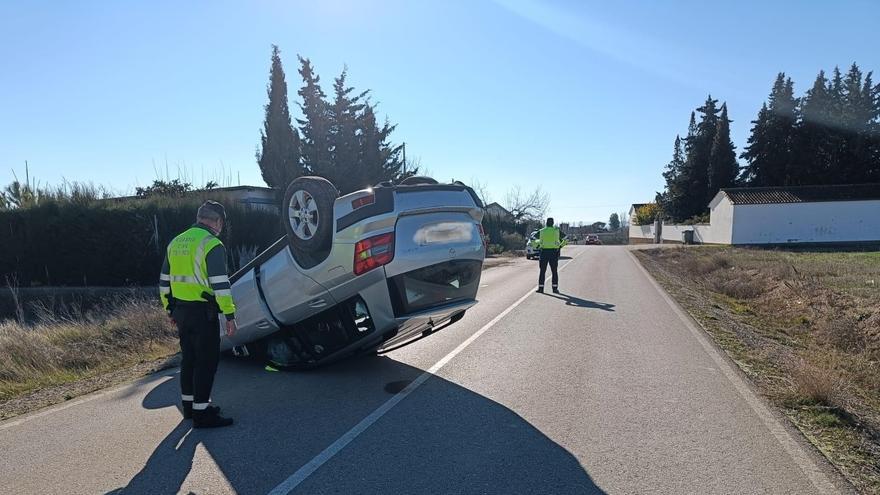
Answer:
(583, 98)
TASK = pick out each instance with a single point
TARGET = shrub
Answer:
(646, 214)
(112, 243)
(513, 241)
(735, 284)
(821, 384)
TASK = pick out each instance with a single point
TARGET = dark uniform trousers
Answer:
(199, 333)
(549, 257)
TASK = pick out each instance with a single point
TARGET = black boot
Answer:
(188, 409)
(209, 419)
(556, 290)
(540, 290)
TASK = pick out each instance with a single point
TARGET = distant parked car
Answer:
(593, 239)
(532, 251)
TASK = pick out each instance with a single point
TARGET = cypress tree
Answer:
(278, 157)
(696, 167)
(614, 222)
(379, 160)
(723, 168)
(671, 199)
(756, 150)
(315, 126)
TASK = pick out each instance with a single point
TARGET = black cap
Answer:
(214, 207)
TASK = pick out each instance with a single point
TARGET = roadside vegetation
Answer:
(805, 327)
(63, 345)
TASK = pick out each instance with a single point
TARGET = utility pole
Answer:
(404, 159)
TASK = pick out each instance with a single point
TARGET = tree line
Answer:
(830, 135)
(339, 137)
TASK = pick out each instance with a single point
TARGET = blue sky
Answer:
(583, 98)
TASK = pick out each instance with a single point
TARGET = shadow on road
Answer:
(443, 438)
(581, 303)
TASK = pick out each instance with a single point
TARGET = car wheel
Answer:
(418, 180)
(307, 212)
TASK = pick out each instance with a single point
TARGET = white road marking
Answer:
(813, 472)
(319, 460)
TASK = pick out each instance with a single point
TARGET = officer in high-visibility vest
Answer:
(550, 241)
(194, 288)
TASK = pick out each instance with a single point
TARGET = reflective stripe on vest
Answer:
(188, 267)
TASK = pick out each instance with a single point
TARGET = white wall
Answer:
(641, 231)
(838, 221)
(703, 233)
(721, 219)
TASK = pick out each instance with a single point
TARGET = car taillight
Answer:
(363, 201)
(482, 235)
(373, 252)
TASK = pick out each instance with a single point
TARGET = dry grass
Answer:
(805, 326)
(64, 346)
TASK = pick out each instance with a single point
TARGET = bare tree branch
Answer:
(527, 206)
(482, 190)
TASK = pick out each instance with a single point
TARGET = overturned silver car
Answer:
(372, 270)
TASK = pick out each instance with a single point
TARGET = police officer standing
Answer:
(550, 241)
(194, 287)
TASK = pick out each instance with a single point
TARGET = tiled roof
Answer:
(802, 194)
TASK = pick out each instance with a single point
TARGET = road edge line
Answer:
(795, 450)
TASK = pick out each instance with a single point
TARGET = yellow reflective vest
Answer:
(195, 267)
(550, 238)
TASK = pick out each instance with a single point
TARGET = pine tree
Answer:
(770, 150)
(723, 168)
(278, 157)
(315, 126)
(343, 115)
(874, 133)
(812, 145)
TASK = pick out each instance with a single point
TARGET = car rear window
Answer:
(434, 286)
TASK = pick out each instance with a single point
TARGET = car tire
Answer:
(418, 180)
(307, 214)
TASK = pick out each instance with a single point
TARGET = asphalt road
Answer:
(606, 388)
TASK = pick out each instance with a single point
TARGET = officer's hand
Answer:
(230, 328)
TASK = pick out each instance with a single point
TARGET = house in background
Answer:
(251, 197)
(632, 212)
(782, 215)
(263, 198)
(498, 211)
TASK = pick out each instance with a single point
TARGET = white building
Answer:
(784, 215)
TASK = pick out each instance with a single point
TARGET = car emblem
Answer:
(452, 253)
